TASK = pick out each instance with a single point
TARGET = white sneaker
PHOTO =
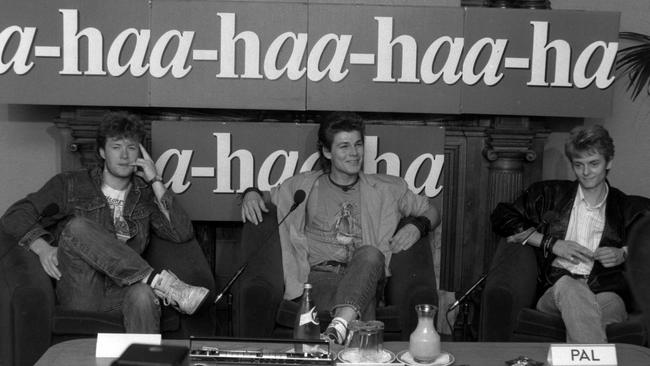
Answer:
(183, 297)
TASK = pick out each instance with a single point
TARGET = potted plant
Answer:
(634, 61)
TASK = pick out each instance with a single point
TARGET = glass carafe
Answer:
(424, 344)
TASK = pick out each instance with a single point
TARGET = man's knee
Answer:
(78, 226)
(140, 296)
(370, 255)
(568, 289)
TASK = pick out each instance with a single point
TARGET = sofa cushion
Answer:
(536, 326)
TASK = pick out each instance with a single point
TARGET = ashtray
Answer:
(352, 355)
(443, 359)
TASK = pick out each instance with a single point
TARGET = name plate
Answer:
(113, 344)
(582, 354)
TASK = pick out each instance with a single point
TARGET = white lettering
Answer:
(448, 71)
(489, 72)
(264, 175)
(177, 63)
(539, 58)
(71, 38)
(334, 69)
(292, 66)
(601, 76)
(430, 185)
(136, 63)
(177, 181)
(228, 42)
(371, 160)
(19, 60)
(385, 45)
(224, 162)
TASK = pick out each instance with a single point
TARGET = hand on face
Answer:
(147, 167)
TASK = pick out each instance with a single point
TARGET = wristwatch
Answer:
(155, 179)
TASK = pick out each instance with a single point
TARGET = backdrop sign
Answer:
(293, 55)
(207, 163)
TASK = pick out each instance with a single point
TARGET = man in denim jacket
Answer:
(89, 229)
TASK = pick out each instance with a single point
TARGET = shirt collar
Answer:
(580, 197)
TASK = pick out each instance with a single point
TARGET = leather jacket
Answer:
(547, 206)
(79, 194)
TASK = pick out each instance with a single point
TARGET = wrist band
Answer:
(251, 189)
(155, 179)
(421, 222)
(548, 242)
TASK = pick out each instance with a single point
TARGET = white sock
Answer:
(341, 326)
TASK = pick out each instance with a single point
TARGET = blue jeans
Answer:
(354, 285)
(584, 313)
(99, 273)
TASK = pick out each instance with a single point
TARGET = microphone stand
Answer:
(298, 198)
(465, 307)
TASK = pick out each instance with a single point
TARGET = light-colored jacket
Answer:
(385, 200)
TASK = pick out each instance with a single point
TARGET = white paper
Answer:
(113, 344)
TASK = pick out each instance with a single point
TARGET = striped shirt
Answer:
(586, 226)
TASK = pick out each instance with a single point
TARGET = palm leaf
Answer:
(634, 61)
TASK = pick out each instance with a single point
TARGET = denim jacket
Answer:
(79, 194)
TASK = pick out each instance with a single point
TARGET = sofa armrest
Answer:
(26, 306)
(510, 286)
(638, 270)
(259, 291)
(412, 282)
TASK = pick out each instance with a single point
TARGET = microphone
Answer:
(298, 198)
(547, 218)
(231, 282)
(468, 292)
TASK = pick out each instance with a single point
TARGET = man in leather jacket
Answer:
(580, 230)
(89, 229)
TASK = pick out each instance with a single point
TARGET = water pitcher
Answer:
(424, 344)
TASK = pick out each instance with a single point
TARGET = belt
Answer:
(329, 266)
(557, 272)
(579, 276)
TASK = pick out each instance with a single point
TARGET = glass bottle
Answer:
(424, 344)
(306, 325)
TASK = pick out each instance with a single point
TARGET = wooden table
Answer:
(81, 352)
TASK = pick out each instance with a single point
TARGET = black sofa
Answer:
(508, 314)
(260, 310)
(31, 321)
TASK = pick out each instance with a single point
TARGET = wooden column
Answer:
(508, 151)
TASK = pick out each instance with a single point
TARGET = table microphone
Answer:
(547, 218)
(298, 198)
(468, 292)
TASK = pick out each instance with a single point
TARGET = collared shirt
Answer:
(586, 226)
